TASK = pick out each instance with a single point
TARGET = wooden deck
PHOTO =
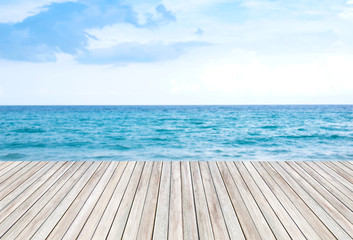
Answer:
(176, 200)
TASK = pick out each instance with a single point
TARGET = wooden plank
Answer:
(53, 197)
(310, 200)
(81, 218)
(281, 213)
(340, 171)
(91, 224)
(245, 220)
(335, 175)
(4, 165)
(338, 205)
(121, 216)
(65, 221)
(49, 224)
(134, 218)
(258, 218)
(290, 217)
(202, 214)
(189, 212)
(343, 167)
(79, 221)
(331, 187)
(19, 174)
(24, 192)
(114, 203)
(27, 223)
(161, 224)
(176, 200)
(149, 210)
(272, 219)
(219, 227)
(230, 217)
(302, 207)
(347, 165)
(17, 179)
(293, 212)
(175, 208)
(13, 171)
(330, 179)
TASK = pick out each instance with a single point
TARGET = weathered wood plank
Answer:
(175, 209)
(32, 219)
(219, 227)
(81, 218)
(331, 204)
(121, 217)
(330, 179)
(274, 203)
(202, 214)
(92, 222)
(13, 171)
(189, 211)
(347, 164)
(17, 179)
(336, 175)
(245, 219)
(5, 165)
(45, 229)
(161, 223)
(25, 191)
(302, 206)
(294, 213)
(131, 228)
(149, 210)
(310, 200)
(330, 187)
(275, 224)
(176, 200)
(343, 173)
(258, 218)
(114, 203)
(230, 217)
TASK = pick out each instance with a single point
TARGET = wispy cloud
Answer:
(12, 11)
(136, 52)
(175, 52)
(61, 27)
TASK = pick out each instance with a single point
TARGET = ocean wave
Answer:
(16, 145)
(104, 157)
(29, 130)
(183, 132)
(13, 156)
(269, 127)
(163, 130)
(119, 147)
(317, 136)
(158, 139)
(74, 144)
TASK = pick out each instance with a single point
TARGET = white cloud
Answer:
(17, 10)
(188, 5)
(218, 76)
(253, 77)
(347, 13)
(127, 33)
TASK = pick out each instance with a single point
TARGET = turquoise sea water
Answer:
(276, 132)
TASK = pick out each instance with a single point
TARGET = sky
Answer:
(167, 52)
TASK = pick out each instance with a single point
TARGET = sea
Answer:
(177, 133)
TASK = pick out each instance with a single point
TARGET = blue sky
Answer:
(176, 52)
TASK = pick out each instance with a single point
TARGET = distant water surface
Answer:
(270, 132)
